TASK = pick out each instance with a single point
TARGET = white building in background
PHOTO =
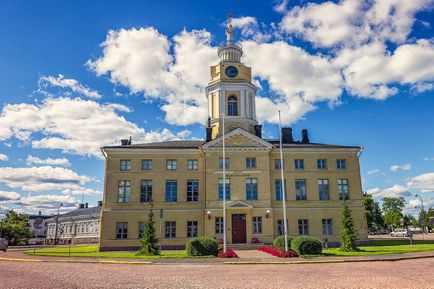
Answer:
(38, 224)
(79, 226)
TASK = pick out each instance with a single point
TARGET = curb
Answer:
(76, 261)
(283, 262)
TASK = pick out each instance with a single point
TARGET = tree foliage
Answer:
(149, 241)
(14, 227)
(392, 208)
(373, 212)
(348, 234)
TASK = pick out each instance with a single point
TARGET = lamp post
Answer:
(57, 224)
(422, 213)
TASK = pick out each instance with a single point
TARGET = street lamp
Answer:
(57, 224)
(422, 213)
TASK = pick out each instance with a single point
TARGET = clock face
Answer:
(231, 71)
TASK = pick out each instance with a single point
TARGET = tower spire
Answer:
(230, 31)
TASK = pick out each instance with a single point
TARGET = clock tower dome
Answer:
(230, 92)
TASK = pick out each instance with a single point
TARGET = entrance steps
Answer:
(247, 246)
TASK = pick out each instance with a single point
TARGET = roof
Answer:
(195, 144)
(80, 212)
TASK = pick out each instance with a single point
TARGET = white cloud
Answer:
(8, 196)
(428, 158)
(48, 161)
(249, 28)
(404, 167)
(72, 125)
(74, 85)
(3, 157)
(42, 178)
(353, 22)
(395, 191)
(46, 201)
(281, 6)
(413, 206)
(82, 192)
(374, 171)
(423, 182)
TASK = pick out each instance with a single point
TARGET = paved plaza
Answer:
(398, 274)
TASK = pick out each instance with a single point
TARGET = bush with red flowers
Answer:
(278, 253)
(255, 240)
(229, 253)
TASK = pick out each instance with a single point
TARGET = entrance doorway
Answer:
(239, 228)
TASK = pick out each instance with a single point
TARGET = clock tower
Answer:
(230, 92)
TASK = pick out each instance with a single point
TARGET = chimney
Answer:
(304, 136)
(208, 134)
(81, 206)
(86, 205)
(124, 142)
(99, 203)
(258, 130)
(287, 135)
(39, 213)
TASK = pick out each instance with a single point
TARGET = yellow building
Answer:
(184, 178)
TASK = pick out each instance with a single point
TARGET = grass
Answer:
(93, 252)
(385, 247)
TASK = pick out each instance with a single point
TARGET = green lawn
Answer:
(92, 251)
(384, 247)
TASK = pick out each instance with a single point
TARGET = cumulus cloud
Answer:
(46, 201)
(404, 167)
(428, 158)
(48, 161)
(249, 28)
(373, 171)
(82, 192)
(42, 178)
(8, 196)
(3, 157)
(413, 206)
(353, 22)
(423, 182)
(395, 191)
(72, 125)
(74, 85)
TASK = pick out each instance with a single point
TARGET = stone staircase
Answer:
(251, 246)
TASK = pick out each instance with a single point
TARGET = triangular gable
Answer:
(238, 138)
(238, 205)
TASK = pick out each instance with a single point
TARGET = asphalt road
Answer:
(402, 274)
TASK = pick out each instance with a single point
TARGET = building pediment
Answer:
(239, 205)
(238, 139)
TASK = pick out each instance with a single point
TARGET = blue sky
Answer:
(77, 75)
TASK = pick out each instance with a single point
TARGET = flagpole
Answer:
(224, 186)
(282, 186)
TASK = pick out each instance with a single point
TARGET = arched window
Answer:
(232, 105)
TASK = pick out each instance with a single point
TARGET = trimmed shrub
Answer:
(279, 242)
(202, 246)
(306, 245)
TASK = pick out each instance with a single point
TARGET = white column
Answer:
(243, 103)
(248, 113)
(210, 104)
(253, 106)
(222, 102)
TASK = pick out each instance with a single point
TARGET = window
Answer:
(227, 188)
(192, 229)
(192, 190)
(321, 164)
(146, 165)
(251, 189)
(278, 189)
(171, 190)
(232, 105)
(300, 190)
(171, 165)
(277, 164)
(280, 228)
(323, 189)
(125, 165)
(192, 165)
(257, 225)
(299, 164)
(226, 163)
(250, 163)
(146, 191)
(327, 227)
(303, 227)
(124, 191)
(170, 231)
(219, 225)
(121, 230)
(341, 164)
(141, 229)
(343, 190)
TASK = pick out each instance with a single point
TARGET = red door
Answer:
(239, 228)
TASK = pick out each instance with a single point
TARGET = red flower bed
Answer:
(229, 253)
(276, 252)
(255, 240)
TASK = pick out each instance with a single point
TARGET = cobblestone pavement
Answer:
(384, 275)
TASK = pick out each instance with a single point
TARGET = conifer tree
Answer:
(149, 241)
(348, 234)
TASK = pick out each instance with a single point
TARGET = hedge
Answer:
(279, 242)
(306, 245)
(202, 246)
